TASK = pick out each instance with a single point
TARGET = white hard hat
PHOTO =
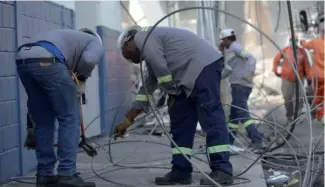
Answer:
(127, 35)
(89, 31)
(226, 33)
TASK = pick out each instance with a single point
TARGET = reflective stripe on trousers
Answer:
(202, 106)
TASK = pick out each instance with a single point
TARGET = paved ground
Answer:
(156, 160)
(139, 161)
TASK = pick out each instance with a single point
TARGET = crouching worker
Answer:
(47, 65)
(240, 67)
(189, 70)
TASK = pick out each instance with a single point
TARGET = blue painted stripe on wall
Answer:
(115, 83)
(18, 104)
(102, 83)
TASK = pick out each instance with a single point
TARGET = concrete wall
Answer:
(19, 21)
(9, 100)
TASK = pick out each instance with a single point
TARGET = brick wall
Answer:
(115, 83)
(18, 22)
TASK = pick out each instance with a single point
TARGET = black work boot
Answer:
(173, 178)
(73, 181)
(258, 145)
(46, 181)
(220, 177)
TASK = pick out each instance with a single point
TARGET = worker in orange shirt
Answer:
(317, 72)
(284, 70)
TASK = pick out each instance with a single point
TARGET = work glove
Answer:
(81, 88)
(171, 101)
(249, 78)
(121, 128)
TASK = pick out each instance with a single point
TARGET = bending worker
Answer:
(240, 67)
(46, 64)
(317, 72)
(286, 72)
(189, 70)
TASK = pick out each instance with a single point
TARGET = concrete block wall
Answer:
(9, 101)
(19, 21)
(115, 83)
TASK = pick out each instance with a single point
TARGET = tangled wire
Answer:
(308, 173)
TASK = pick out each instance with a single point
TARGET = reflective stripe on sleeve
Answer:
(230, 55)
(218, 149)
(184, 150)
(142, 97)
(145, 29)
(164, 79)
(244, 53)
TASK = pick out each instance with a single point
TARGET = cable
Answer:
(278, 17)
(319, 169)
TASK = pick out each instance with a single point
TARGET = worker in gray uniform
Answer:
(189, 70)
(48, 64)
(240, 68)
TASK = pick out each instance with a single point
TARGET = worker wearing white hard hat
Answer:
(241, 69)
(181, 64)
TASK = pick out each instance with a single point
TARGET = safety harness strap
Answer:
(218, 149)
(184, 150)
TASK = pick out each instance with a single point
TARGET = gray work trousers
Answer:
(289, 95)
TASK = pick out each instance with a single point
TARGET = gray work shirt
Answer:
(81, 51)
(175, 58)
(242, 63)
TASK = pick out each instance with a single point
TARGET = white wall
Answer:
(91, 14)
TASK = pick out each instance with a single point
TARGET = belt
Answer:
(38, 60)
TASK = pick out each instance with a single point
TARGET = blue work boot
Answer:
(46, 181)
(73, 181)
(258, 140)
(174, 177)
(220, 177)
